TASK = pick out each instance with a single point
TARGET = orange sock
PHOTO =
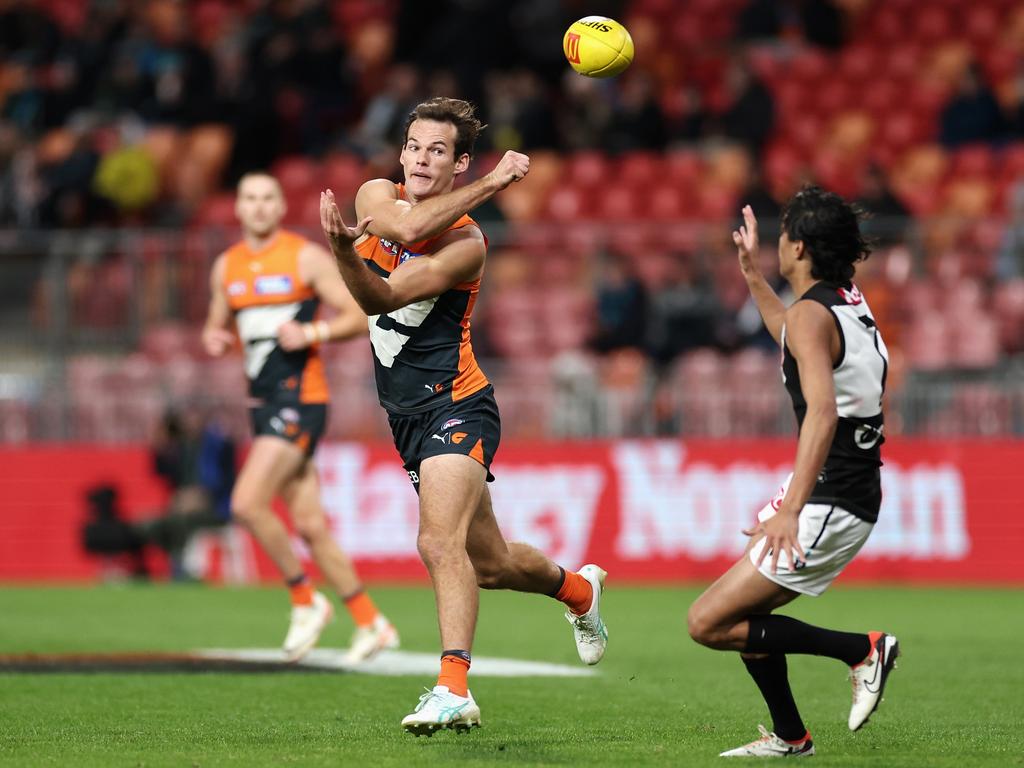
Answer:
(872, 639)
(576, 593)
(454, 674)
(362, 608)
(302, 593)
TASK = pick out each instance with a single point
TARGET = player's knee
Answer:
(700, 626)
(435, 547)
(490, 574)
(244, 511)
(311, 528)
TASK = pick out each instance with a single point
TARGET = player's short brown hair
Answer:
(459, 113)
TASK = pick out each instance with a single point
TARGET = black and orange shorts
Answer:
(302, 423)
(471, 427)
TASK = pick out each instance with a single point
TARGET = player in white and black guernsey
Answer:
(834, 366)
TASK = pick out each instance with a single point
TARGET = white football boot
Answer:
(440, 708)
(368, 641)
(869, 677)
(308, 622)
(589, 630)
(770, 745)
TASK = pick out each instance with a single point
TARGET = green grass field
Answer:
(956, 699)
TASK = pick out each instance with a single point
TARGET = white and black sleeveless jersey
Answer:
(850, 478)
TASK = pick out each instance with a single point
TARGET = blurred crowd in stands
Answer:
(144, 114)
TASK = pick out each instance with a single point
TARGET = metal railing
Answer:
(77, 307)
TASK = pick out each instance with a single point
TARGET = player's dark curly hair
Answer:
(459, 113)
(829, 228)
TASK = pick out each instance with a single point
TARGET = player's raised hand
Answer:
(217, 341)
(337, 232)
(745, 239)
(512, 167)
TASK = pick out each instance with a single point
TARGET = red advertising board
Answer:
(656, 510)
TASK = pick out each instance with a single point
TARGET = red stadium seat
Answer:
(931, 24)
(667, 203)
(976, 341)
(620, 204)
(568, 203)
(297, 175)
(927, 342)
(638, 169)
(974, 160)
(588, 169)
(218, 210)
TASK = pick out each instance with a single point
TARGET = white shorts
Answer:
(830, 537)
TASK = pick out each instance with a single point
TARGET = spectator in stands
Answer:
(687, 126)
(1010, 259)
(683, 310)
(108, 535)
(637, 122)
(819, 22)
(887, 222)
(384, 117)
(621, 306)
(750, 115)
(585, 112)
(196, 460)
(973, 114)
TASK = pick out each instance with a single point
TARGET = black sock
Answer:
(300, 579)
(770, 674)
(561, 581)
(459, 653)
(782, 634)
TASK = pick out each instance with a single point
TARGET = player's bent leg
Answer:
(271, 464)
(718, 618)
(373, 632)
(525, 569)
(501, 565)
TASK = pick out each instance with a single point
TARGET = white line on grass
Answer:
(397, 663)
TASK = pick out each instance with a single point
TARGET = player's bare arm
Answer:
(217, 339)
(768, 302)
(458, 259)
(810, 336)
(403, 222)
(320, 272)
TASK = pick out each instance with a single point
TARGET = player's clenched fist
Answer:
(512, 167)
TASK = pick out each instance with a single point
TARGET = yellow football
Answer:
(597, 46)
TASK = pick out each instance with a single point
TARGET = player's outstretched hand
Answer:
(217, 341)
(512, 167)
(746, 240)
(338, 233)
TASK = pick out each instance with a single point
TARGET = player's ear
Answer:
(799, 251)
(462, 163)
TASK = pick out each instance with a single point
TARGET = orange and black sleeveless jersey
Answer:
(265, 290)
(422, 352)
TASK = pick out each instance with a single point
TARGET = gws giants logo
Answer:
(572, 47)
